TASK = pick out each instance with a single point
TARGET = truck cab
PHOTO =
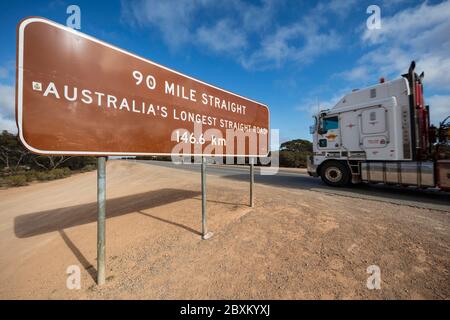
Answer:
(378, 134)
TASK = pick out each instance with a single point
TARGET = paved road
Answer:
(429, 199)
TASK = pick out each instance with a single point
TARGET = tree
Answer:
(294, 153)
(76, 163)
(13, 155)
(12, 152)
(297, 145)
(50, 162)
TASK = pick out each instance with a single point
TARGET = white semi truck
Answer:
(382, 134)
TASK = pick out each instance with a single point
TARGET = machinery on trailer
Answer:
(382, 134)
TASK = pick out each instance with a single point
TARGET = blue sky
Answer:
(286, 54)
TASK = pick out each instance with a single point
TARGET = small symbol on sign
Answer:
(351, 125)
(37, 86)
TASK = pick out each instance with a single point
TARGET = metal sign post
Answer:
(101, 206)
(252, 181)
(205, 234)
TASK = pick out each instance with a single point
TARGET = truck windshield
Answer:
(330, 123)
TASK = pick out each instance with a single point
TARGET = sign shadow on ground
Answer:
(42, 222)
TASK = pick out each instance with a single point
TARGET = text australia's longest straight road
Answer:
(77, 95)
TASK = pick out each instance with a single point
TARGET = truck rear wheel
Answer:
(335, 174)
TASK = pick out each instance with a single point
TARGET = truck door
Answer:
(374, 133)
(329, 137)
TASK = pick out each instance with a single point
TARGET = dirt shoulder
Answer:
(293, 245)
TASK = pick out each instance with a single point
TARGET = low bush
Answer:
(42, 176)
(16, 180)
(30, 175)
(52, 174)
(21, 178)
(60, 173)
(293, 159)
(89, 167)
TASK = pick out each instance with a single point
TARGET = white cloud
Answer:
(300, 43)
(254, 18)
(173, 18)
(341, 8)
(387, 62)
(312, 105)
(222, 37)
(178, 23)
(228, 28)
(437, 71)
(420, 33)
(356, 74)
(6, 70)
(7, 101)
(8, 125)
(391, 4)
(439, 107)
(409, 23)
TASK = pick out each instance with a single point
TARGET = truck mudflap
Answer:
(443, 174)
(311, 168)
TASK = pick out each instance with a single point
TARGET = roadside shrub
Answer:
(53, 174)
(30, 175)
(60, 173)
(293, 159)
(17, 180)
(44, 176)
(89, 167)
(79, 163)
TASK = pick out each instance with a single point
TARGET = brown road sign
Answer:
(77, 95)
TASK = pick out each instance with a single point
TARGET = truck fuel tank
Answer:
(443, 174)
(414, 173)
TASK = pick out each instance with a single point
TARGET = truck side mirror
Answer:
(314, 127)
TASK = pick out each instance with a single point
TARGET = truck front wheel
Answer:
(335, 174)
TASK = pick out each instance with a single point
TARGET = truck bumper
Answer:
(311, 168)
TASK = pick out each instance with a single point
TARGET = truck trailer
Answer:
(382, 134)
